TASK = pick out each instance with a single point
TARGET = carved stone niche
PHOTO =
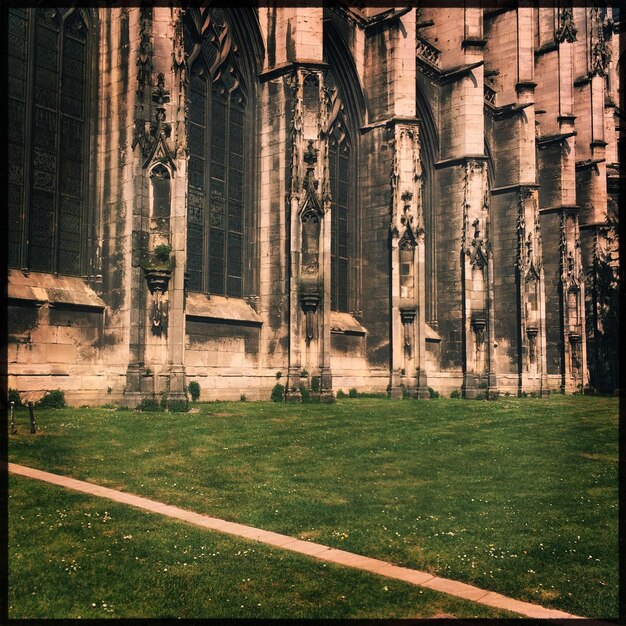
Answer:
(479, 323)
(309, 301)
(158, 279)
(407, 315)
(309, 268)
(160, 178)
(575, 344)
(531, 333)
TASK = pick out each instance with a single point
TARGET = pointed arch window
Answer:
(48, 138)
(218, 141)
(341, 176)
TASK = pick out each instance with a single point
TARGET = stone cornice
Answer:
(288, 68)
(513, 188)
(506, 111)
(460, 160)
(391, 121)
(563, 208)
(548, 140)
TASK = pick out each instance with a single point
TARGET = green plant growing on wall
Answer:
(316, 383)
(160, 259)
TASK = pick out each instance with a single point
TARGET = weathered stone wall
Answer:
(485, 137)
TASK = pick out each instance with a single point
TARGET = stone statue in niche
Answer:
(160, 178)
(310, 243)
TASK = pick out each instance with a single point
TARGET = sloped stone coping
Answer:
(432, 334)
(309, 548)
(345, 323)
(37, 288)
(203, 308)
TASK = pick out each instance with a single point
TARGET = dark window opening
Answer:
(218, 128)
(341, 185)
(48, 55)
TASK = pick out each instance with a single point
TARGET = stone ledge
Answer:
(204, 308)
(37, 288)
(346, 324)
(432, 335)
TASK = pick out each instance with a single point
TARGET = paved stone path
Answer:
(316, 550)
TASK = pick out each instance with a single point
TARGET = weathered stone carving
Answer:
(600, 52)
(297, 125)
(566, 30)
(427, 51)
(144, 54)
(152, 137)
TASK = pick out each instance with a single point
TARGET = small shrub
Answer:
(304, 374)
(14, 396)
(109, 390)
(52, 400)
(178, 406)
(305, 393)
(508, 393)
(163, 402)
(316, 383)
(341, 394)
(279, 375)
(493, 395)
(455, 393)
(243, 398)
(406, 394)
(432, 393)
(589, 391)
(149, 404)
(523, 394)
(481, 396)
(162, 253)
(373, 394)
(353, 393)
(278, 393)
(483, 385)
(533, 394)
(194, 390)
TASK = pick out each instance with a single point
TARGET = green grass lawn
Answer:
(518, 496)
(74, 556)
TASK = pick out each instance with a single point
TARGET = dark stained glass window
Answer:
(341, 189)
(47, 166)
(217, 131)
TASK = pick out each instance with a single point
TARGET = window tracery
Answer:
(48, 138)
(218, 127)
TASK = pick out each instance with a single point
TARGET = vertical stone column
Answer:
(556, 142)
(518, 268)
(466, 278)
(159, 217)
(138, 384)
(178, 72)
(295, 57)
(407, 311)
(592, 60)
(475, 280)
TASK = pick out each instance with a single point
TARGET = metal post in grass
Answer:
(13, 431)
(31, 416)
